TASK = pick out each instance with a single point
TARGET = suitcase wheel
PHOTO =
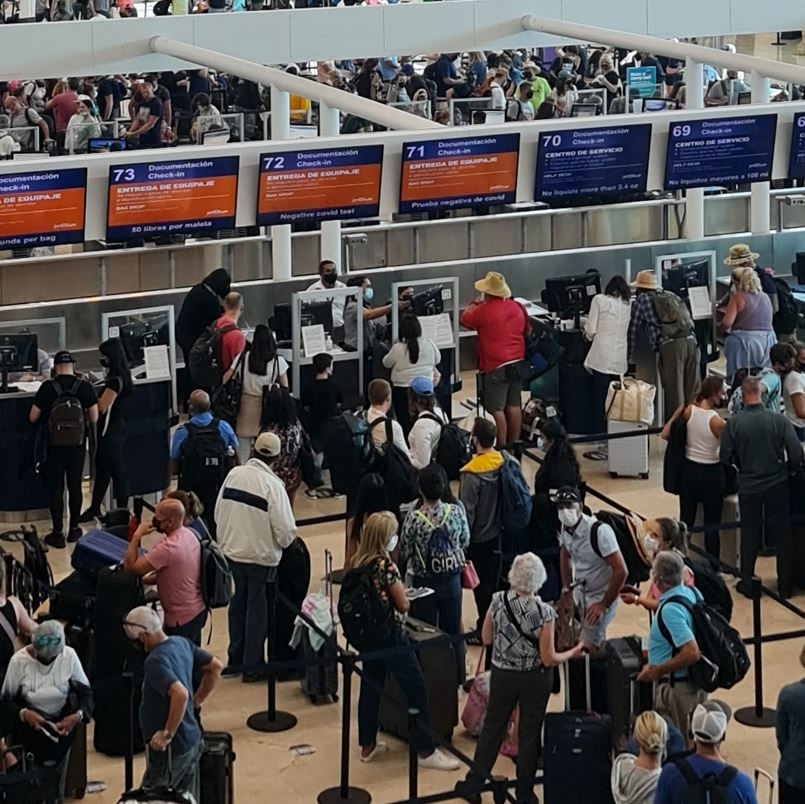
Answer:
(613, 474)
(335, 697)
(644, 475)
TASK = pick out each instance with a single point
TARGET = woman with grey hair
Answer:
(519, 627)
(46, 694)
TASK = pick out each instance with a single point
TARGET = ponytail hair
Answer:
(410, 333)
(675, 533)
(710, 386)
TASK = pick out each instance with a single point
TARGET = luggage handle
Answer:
(19, 751)
(769, 778)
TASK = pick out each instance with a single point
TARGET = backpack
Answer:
(442, 557)
(514, 111)
(724, 660)
(638, 564)
(673, 314)
(394, 466)
(454, 448)
(67, 424)
(203, 464)
(366, 618)
(771, 393)
(709, 789)
(515, 502)
(216, 575)
(786, 319)
(712, 587)
(347, 451)
(205, 356)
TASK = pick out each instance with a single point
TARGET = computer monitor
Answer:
(18, 352)
(744, 98)
(655, 105)
(280, 324)
(135, 337)
(681, 276)
(428, 302)
(584, 109)
(105, 145)
(219, 136)
(318, 312)
(571, 296)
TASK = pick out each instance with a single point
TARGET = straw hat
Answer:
(645, 280)
(740, 254)
(494, 284)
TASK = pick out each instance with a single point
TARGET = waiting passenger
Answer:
(791, 740)
(428, 419)
(280, 417)
(82, 127)
(635, 778)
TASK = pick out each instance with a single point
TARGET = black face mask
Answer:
(329, 277)
(157, 525)
(105, 362)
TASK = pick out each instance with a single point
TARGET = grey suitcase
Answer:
(628, 457)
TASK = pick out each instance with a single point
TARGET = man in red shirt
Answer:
(233, 341)
(501, 325)
(63, 107)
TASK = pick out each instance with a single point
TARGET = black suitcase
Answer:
(625, 697)
(441, 680)
(587, 692)
(217, 769)
(320, 681)
(112, 707)
(31, 785)
(73, 599)
(117, 594)
(76, 783)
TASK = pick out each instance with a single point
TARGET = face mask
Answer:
(48, 649)
(651, 545)
(392, 543)
(329, 277)
(568, 517)
(541, 443)
(157, 525)
(369, 294)
(105, 362)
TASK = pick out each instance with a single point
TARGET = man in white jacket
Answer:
(255, 524)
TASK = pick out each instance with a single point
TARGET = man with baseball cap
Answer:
(255, 524)
(704, 773)
(67, 407)
(501, 326)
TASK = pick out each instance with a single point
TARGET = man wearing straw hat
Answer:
(501, 325)
(661, 320)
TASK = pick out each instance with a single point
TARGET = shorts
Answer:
(502, 387)
(594, 636)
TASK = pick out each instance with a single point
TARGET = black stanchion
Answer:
(413, 757)
(778, 42)
(757, 716)
(500, 789)
(129, 758)
(271, 720)
(344, 794)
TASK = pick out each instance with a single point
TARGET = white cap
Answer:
(709, 722)
(268, 445)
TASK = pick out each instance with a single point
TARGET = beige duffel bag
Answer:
(631, 400)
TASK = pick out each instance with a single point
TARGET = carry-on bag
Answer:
(626, 698)
(26, 785)
(217, 768)
(98, 549)
(769, 780)
(75, 785)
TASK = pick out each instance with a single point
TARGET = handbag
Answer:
(469, 576)
(631, 400)
(474, 714)
(225, 400)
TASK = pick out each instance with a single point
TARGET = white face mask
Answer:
(39, 93)
(540, 443)
(568, 517)
(392, 543)
(651, 545)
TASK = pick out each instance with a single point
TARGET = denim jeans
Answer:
(443, 609)
(405, 668)
(248, 616)
(181, 773)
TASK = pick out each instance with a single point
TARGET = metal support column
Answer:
(760, 204)
(694, 198)
(330, 241)
(280, 235)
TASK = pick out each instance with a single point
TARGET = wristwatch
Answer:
(168, 734)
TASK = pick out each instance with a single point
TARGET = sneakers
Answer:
(90, 515)
(55, 539)
(231, 671)
(439, 760)
(74, 534)
(380, 748)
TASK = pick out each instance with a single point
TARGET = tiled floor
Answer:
(266, 768)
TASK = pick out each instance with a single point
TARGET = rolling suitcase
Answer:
(770, 781)
(577, 758)
(217, 768)
(627, 456)
(73, 599)
(587, 684)
(625, 697)
(98, 549)
(441, 680)
(75, 785)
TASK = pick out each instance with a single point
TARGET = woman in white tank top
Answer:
(702, 478)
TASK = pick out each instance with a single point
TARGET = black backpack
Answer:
(786, 319)
(206, 369)
(708, 789)
(347, 451)
(216, 574)
(67, 424)
(203, 464)
(394, 466)
(366, 618)
(454, 448)
(712, 587)
(724, 660)
(638, 565)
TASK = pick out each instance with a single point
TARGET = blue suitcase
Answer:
(98, 549)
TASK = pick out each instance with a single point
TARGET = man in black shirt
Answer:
(68, 408)
(146, 128)
(164, 96)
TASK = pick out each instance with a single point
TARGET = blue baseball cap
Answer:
(422, 386)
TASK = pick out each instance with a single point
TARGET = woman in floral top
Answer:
(434, 537)
(378, 540)
(280, 418)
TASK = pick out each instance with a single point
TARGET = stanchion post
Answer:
(413, 757)
(271, 720)
(129, 758)
(500, 790)
(344, 794)
(757, 716)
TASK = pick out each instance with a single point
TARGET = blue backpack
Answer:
(515, 503)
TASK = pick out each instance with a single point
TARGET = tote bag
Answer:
(631, 400)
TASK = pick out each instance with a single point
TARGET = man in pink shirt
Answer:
(233, 341)
(174, 563)
(63, 107)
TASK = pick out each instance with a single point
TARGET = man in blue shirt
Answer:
(791, 740)
(170, 700)
(672, 646)
(709, 725)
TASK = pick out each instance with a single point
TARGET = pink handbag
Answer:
(474, 714)
(469, 577)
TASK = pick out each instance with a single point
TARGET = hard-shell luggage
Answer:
(73, 599)
(586, 684)
(627, 456)
(111, 735)
(439, 669)
(770, 781)
(626, 697)
(320, 681)
(217, 768)
(117, 594)
(98, 549)
(76, 784)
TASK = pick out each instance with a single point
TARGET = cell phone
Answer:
(50, 731)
